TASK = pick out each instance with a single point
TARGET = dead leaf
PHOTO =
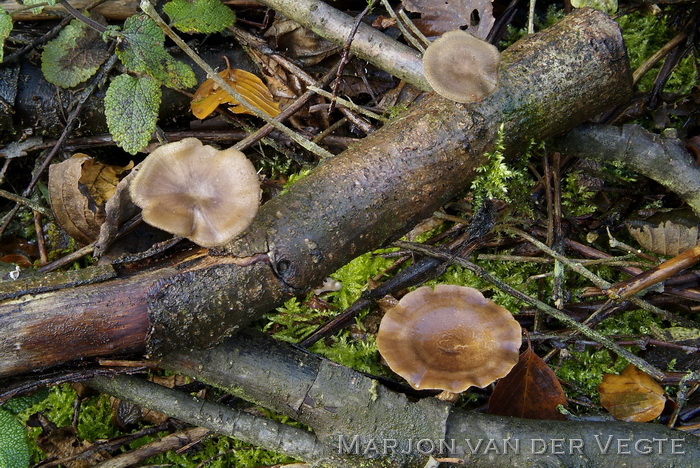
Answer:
(666, 233)
(298, 42)
(531, 390)
(78, 188)
(438, 17)
(62, 443)
(209, 96)
(632, 396)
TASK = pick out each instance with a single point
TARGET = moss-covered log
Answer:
(355, 202)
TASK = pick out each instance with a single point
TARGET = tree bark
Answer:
(368, 195)
(351, 414)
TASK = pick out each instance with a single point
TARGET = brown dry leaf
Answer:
(438, 17)
(530, 390)
(632, 396)
(298, 42)
(63, 443)
(78, 188)
(208, 96)
(666, 233)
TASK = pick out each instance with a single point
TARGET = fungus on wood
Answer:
(196, 191)
(461, 67)
(449, 338)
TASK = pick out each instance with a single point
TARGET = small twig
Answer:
(412, 27)
(597, 280)
(41, 245)
(81, 17)
(654, 59)
(308, 145)
(38, 41)
(349, 104)
(28, 202)
(414, 42)
(555, 313)
(345, 56)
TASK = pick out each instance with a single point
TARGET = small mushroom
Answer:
(461, 67)
(196, 191)
(449, 338)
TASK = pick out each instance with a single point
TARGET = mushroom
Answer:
(196, 191)
(461, 67)
(449, 338)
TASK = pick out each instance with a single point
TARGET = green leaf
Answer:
(14, 450)
(199, 16)
(140, 48)
(131, 107)
(38, 10)
(75, 55)
(21, 403)
(5, 29)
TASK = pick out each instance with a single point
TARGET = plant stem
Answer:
(81, 17)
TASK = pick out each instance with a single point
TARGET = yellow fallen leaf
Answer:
(208, 96)
(632, 396)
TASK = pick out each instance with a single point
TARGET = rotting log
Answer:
(368, 195)
(352, 414)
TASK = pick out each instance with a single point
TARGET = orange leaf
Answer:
(209, 96)
(530, 390)
(632, 396)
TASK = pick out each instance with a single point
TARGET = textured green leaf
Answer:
(14, 450)
(140, 48)
(43, 3)
(199, 16)
(5, 29)
(75, 55)
(21, 403)
(131, 107)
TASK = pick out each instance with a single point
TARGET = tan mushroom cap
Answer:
(449, 338)
(461, 67)
(197, 191)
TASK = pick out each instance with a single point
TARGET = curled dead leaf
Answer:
(209, 96)
(78, 189)
(632, 396)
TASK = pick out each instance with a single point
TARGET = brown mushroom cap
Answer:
(461, 67)
(449, 338)
(197, 191)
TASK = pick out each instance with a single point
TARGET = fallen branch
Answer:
(355, 202)
(351, 414)
(664, 160)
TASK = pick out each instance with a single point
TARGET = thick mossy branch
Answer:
(355, 202)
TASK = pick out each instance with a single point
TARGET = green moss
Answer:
(294, 320)
(644, 35)
(576, 198)
(218, 452)
(585, 371)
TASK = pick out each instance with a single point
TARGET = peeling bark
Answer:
(350, 204)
